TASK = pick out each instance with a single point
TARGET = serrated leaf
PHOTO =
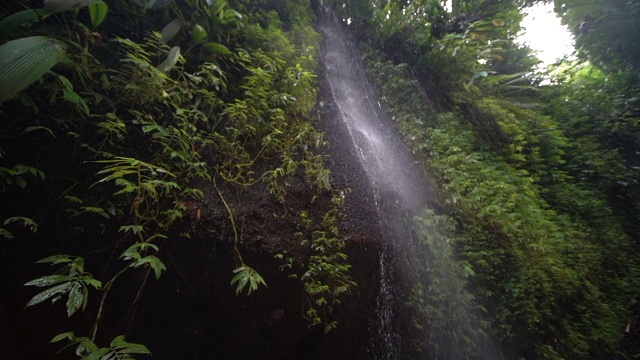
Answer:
(98, 12)
(25, 60)
(131, 228)
(171, 30)
(56, 290)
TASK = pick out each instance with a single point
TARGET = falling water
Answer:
(400, 194)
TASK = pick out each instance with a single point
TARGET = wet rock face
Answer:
(193, 312)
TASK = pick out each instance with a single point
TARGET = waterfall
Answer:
(407, 321)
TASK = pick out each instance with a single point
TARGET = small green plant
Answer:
(117, 349)
(70, 280)
(247, 276)
(326, 275)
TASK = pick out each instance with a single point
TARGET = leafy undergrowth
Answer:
(127, 127)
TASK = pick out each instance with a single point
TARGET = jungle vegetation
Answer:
(121, 119)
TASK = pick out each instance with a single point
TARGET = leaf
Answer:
(24, 221)
(154, 262)
(25, 60)
(95, 210)
(171, 61)
(217, 48)
(48, 280)
(15, 20)
(132, 228)
(171, 30)
(199, 33)
(6, 234)
(76, 299)
(34, 128)
(64, 336)
(98, 12)
(124, 347)
(59, 289)
(55, 259)
(97, 284)
(246, 275)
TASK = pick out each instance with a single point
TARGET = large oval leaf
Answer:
(172, 59)
(171, 29)
(217, 48)
(15, 20)
(98, 12)
(25, 60)
(199, 33)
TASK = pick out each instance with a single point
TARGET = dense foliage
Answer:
(540, 181)
(126, 123)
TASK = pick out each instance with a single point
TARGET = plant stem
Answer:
(107, 288)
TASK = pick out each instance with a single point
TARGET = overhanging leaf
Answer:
(217, 48)
(25, 60)
(172, 59)
(59, 289)
(15, 20)
(199, 33)
(98, 12)
(171, 30)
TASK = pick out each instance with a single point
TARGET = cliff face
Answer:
(192, 311)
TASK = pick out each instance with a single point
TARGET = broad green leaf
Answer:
(171, 30)
(25, 60)
(217, 48)
(172, 59)
(15, 20)
(97, 13)
(199, 33)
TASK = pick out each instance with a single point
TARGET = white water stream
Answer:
(400, 193)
